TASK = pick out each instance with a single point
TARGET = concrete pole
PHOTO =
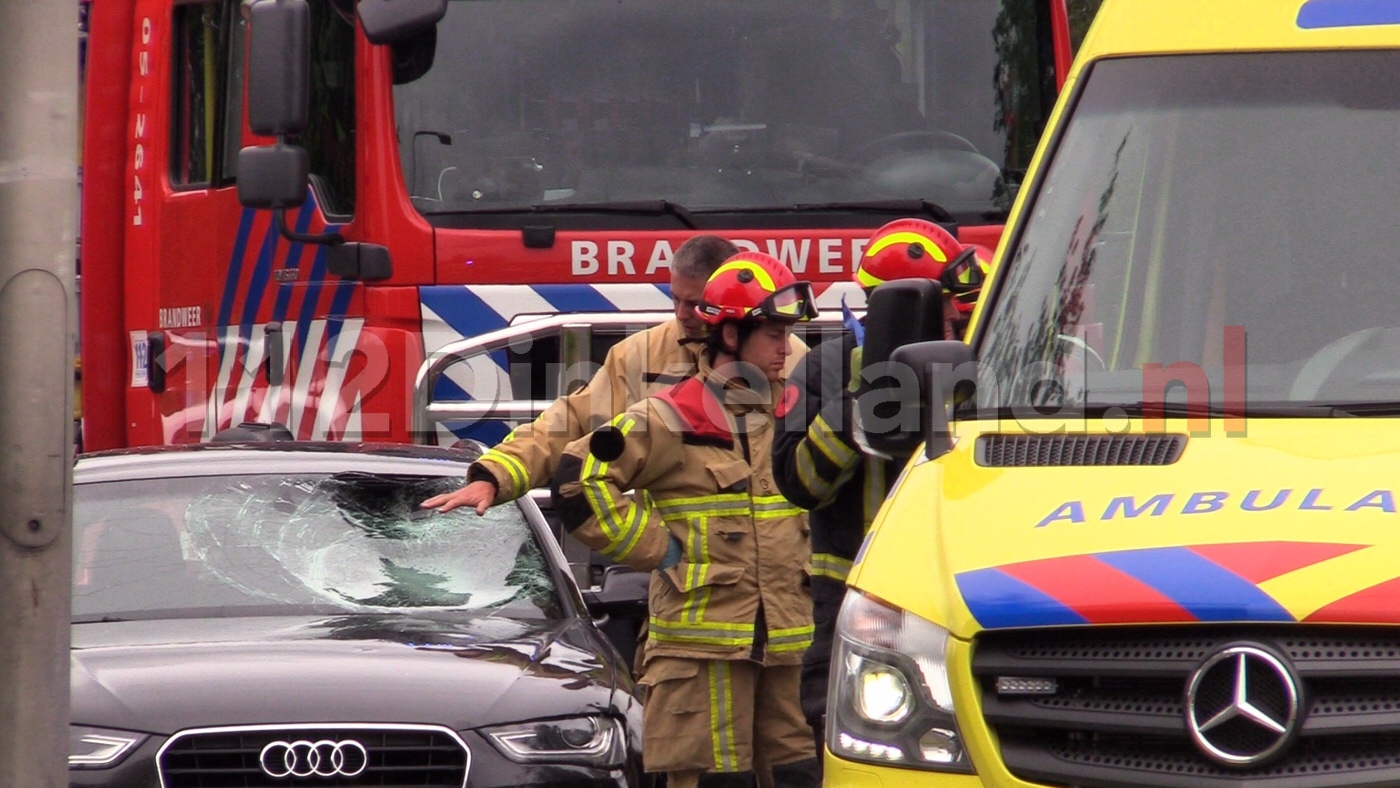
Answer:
(38, 220)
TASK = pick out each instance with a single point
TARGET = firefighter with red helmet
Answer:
(816, 461)
(730, 613)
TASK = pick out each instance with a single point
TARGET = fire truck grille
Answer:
(1107, 708)
(360, 756)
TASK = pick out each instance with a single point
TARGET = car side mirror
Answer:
(622, 594)
(392, 21)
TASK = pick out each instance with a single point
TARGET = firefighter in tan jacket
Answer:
(634, 368)
(730, 611)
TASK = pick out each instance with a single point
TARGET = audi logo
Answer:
(324, 758)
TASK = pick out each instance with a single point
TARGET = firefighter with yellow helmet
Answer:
(816, 461)
(730, 611)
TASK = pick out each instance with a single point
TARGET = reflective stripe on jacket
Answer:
(709, 485)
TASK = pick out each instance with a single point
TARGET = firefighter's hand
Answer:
(673, 554)
(477, 495)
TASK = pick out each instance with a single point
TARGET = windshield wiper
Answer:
(1217, 410)
(1366, 408)
(641, 208)
(895, 207)
(1301, 410)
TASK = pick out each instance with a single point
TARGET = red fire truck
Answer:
(493, 161)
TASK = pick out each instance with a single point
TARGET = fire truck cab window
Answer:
(723, 106)
(198, 73)
(330, 136)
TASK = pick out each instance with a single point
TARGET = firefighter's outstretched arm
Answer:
(529, 455)
(813, 451)
(626, 454)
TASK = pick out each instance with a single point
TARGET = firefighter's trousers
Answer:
(715, 716)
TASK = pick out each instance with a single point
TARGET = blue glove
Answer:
(673, 554)
(848, 318)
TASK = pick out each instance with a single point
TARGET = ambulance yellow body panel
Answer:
(1162, 546)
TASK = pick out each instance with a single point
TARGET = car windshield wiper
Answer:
(641, 208)
(894, 207)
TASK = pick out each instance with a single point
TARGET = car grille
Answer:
(1117, 714)
(398, 755)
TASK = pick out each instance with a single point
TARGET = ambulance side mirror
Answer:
(887, 413)
(392, 21)
(941, 372)
(900, 313)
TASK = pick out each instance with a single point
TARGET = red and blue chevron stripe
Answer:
(314, 310)
(1159, 585)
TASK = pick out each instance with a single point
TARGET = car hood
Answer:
(1294, 521)
(164, 676)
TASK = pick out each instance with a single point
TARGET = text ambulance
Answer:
(1098, 578)
(517, 158)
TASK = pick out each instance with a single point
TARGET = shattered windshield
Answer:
(318, 544)
(717, 104)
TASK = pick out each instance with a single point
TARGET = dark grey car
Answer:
(285, 614)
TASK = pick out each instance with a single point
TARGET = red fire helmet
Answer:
(755, 286)
(906, 249)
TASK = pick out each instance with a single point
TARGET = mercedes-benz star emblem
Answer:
(1242, 705)
(324, 758)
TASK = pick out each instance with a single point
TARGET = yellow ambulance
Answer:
(1157, 544)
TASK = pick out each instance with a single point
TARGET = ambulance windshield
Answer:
(722, 105)
(1223, 221)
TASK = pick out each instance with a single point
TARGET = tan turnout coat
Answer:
(698, 457)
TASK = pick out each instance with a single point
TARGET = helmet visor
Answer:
(790, 304)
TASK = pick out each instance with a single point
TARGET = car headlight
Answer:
(591, 741)
(890, 700)
(99, 748)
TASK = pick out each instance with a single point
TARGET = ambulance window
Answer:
(195, 72)
(330, 136)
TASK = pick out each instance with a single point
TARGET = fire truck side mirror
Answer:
(279, 67)
(392, 21)
(272, 176)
